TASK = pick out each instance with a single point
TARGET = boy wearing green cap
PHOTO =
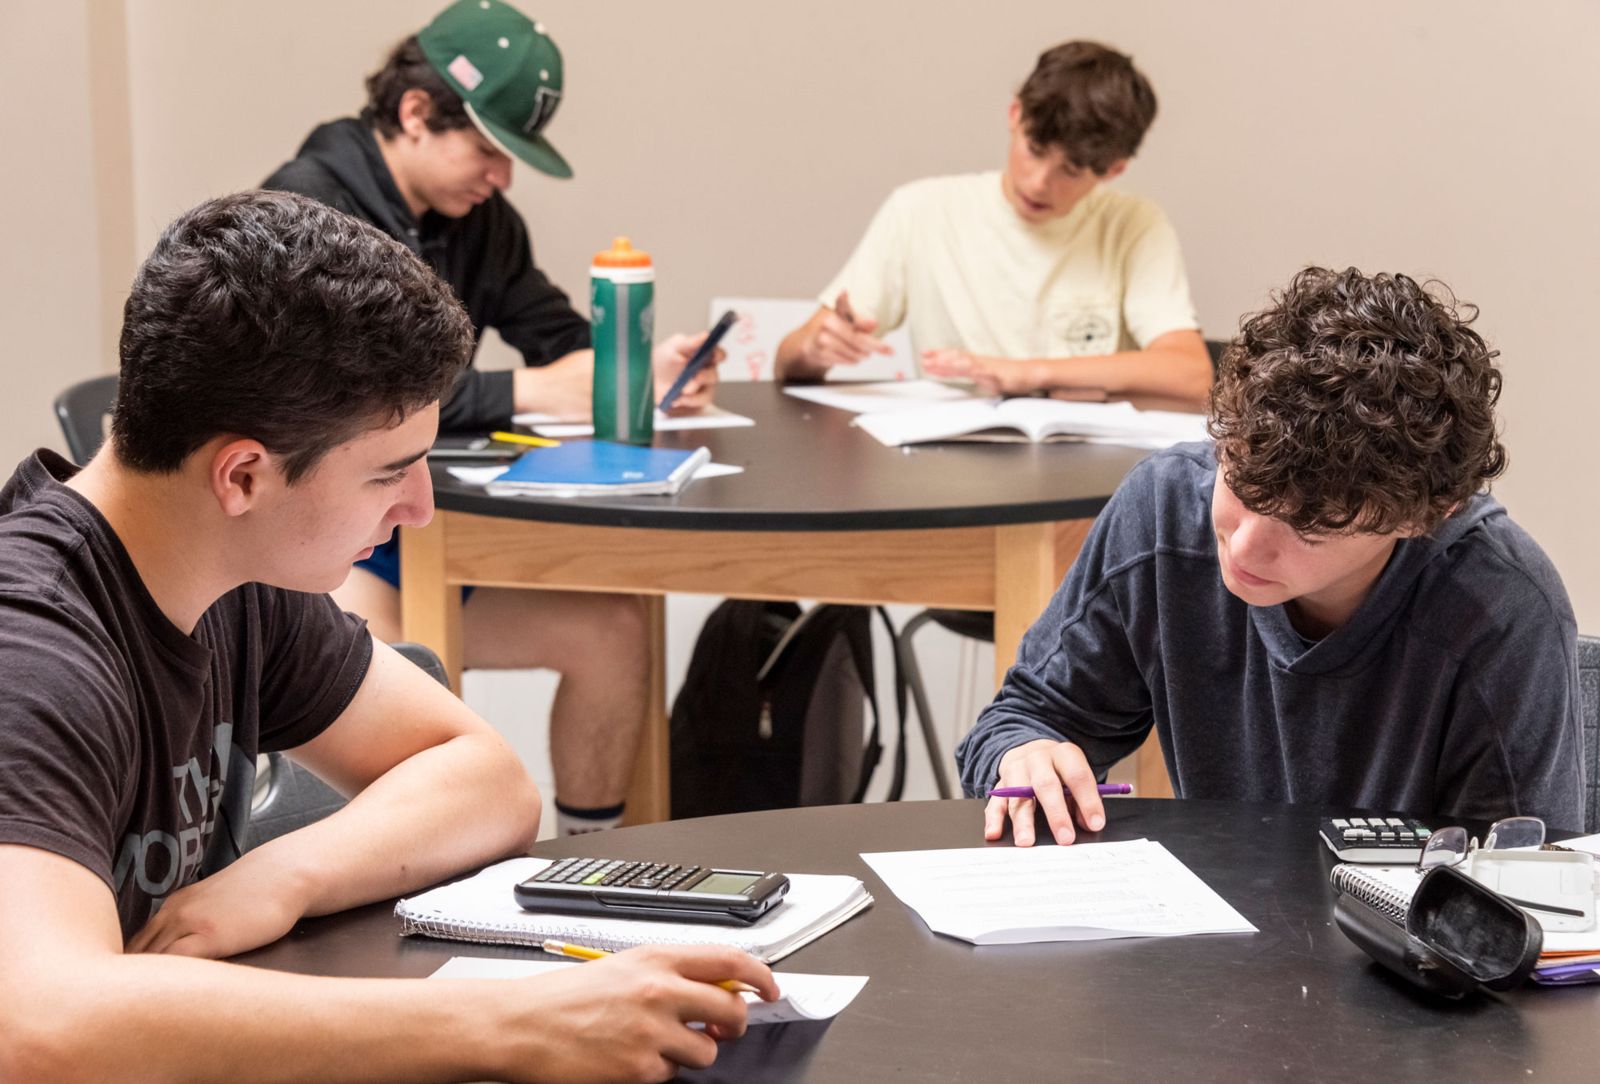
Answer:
(427, 162)
(1035, 278)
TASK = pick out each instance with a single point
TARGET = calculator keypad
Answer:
(1392, 840)
(618, 873)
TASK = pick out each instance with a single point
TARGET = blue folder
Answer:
(586, 467)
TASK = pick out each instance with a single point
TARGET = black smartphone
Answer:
(481, 449)
(625, 888)
(702, 357)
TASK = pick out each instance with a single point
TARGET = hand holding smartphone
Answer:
(702, 357)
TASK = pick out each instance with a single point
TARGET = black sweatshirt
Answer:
(485, 256)
(1452, 691)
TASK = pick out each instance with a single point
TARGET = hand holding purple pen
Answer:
(1027, 792)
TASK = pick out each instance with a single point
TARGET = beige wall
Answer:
(747, 144)
(67, 205)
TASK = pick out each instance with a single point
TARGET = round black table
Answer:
(821, 511)
(1296, 1001)
(807, 468)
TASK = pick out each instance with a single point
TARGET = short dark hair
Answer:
(1088, 100)
(275, 317)
(408, 69)
(1357, 403)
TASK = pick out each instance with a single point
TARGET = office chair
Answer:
(82, 411)
(289, 797)
(979, 625)
(1589, 691)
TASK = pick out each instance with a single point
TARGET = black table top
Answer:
(1296, 1001)
(806, 468)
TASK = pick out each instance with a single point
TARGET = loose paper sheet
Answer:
(805, 997)
(873, 398)
(1085, 892)
(712, 417)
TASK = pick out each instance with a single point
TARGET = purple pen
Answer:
(1027, 792)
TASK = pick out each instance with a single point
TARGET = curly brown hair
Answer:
(1088, 100)
(1357, 403)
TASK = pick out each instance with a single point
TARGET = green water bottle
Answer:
(622, 287)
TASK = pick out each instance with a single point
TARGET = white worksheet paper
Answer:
(887, 395)
(805, 997)
(712, 417)
(1085, 892)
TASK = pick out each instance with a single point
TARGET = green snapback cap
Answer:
(507, 72)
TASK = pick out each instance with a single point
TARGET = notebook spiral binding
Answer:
(1352, 880)
(525, 934)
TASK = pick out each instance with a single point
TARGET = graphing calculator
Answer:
(624, 888)
(1386, 841)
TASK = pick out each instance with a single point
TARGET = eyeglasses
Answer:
(1450, 846)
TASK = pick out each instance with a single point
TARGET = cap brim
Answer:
(534, 150)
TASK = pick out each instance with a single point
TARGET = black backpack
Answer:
(770, 715)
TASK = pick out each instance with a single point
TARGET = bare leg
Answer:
(599, 645)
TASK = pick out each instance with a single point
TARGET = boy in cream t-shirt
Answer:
(1036, 278)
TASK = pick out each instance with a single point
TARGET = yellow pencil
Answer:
(519, 438)
(584, 952)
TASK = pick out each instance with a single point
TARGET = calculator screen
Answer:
(730, 884)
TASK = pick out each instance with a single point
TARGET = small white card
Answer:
(805, 997)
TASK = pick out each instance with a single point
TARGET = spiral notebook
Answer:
(482, 909)
(1388, 890)
(599, 468)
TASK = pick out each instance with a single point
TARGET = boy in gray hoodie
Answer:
(1322, 607)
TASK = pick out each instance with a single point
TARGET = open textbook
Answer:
(1086, 892)
(481, 908)
(1034, 420)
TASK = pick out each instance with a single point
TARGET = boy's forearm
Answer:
(168, 1018)
(1161, 371)
(447, 809)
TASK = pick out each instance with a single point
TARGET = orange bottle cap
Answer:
(622, 254)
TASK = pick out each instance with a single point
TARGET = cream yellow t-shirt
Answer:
(950, 257)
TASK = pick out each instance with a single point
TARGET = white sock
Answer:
(576, 822)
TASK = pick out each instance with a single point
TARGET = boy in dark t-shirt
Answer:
(1323, 607)
(164, 617)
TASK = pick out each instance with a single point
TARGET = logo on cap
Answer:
(545, 101)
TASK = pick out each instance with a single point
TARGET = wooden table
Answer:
(822, 511)
(1295, 1002)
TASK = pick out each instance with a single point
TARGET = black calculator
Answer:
(625, 888)
(1384, 841)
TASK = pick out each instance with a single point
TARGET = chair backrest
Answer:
(1589, 689)
(1214, 349)
(82, 411)
(292, 797)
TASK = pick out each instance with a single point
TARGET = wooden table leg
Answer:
(430, 608)
(1030, 561)
(650, 796)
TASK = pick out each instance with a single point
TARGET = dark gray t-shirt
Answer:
(126, 745)
(1451, 691)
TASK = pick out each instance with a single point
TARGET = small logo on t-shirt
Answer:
(1088, 332)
